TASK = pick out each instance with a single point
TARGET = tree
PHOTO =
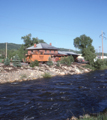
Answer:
(28, 41)
(7, 62)
(84, 43)
(21, 52)
(11, 53)
(16, 61)
(65, 61)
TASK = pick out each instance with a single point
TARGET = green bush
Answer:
(7, 62)
(50, 63)
(89, 66)
(100, 64)
(65, 61)
(71, 58)
(57, 64)
(16, 61)
(105, 61)
(34, 63)
(99, 117)
(46, 75)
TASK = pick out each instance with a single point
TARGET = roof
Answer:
(43, 46)
(67, 53)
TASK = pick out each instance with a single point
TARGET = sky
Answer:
(55, 21)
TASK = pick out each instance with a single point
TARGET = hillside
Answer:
(10, 46)
(14, 46)
(65, 49)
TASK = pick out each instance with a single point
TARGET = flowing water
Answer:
(55, 98)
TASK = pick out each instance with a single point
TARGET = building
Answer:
(43, 51)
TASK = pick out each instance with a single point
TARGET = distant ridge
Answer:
(10, 46)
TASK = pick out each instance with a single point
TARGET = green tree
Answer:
(21, 52)
(49, 63)
(71, 58)
(65, 61)
(7, 62)
(34, 63)
(16, 61)
(12, 53)
(84, 43)
(28, 41)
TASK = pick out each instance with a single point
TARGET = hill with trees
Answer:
(10, 46)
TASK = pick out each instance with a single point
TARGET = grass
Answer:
(46, 75)
(23, 76)
(99, 117)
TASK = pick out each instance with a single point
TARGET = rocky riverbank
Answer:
(12, 74)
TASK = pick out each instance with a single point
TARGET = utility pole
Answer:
(99, 51)
(6, 50)
(102, 42)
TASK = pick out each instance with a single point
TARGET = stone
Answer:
(74, 118)
(62, 73)
(1, 69)
(80, 117)
(86, 116)
(32, 74)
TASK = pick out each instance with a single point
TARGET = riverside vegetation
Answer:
(15, 71)
(88, 117)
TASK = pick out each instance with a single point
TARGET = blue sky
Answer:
(55, 21)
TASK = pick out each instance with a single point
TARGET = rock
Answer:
(86, 116)
(77, 71)
(74, 118)
(1, 69)
(80, 117)
(62, 73)
(85, 70)
(32, 74)
(21, 67)
(10, 68)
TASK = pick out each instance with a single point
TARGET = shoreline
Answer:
(9, 74)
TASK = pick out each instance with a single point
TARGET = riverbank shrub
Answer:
(7, 62)
(46, 75)
(100, 64)
(89, 66)
(58, 64)
(50, 63)
(71, 58)
(99, 117)
(65, 61)
(34, 63)
(16, 61)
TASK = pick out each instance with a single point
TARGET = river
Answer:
(55, 98)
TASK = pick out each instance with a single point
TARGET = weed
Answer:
(46, 75)
(23, 76)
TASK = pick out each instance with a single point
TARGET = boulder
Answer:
(74, 118)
